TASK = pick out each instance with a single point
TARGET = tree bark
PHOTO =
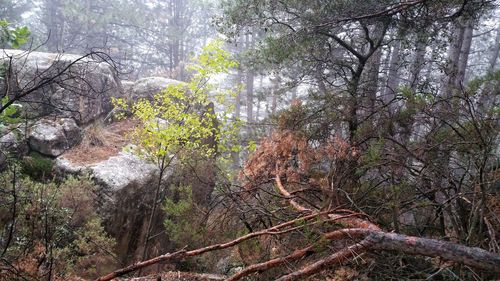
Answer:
(338, 257)
(373, 240)
(235, 155)
(249, 84)
(450, 85)
(54, 25)
(392, 75)
(464, 53)
(275, 88)
(495, 52)
(371, 83)
(418, 60)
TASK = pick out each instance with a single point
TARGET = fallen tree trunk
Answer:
(373, 240)
(471, 256)
(139, 265)
(335, 258)
(369, 235)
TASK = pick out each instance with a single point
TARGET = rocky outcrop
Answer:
(127, 87)
(53, 137)
(65, 85)
(120, 171)
(115, 173)
(11, 143)
(127, 188)
(149, 86)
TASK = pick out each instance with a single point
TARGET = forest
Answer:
(249, 140)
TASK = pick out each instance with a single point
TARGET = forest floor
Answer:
(342, 273)
(176, 276)
(101, 142)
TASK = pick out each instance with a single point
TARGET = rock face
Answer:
(127, 86)
(10, 143)
(120, 171)
(115, 173)
(149, 86)
(61, 84)
(128, 184)
(53, 137)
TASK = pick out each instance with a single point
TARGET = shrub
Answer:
(57, 232)
(37, 166)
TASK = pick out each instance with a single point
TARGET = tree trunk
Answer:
(464, 53)
(371, 75)
(294, 93)
(371, 83)
(54, 25)
(235, 155)
(374, 240)
(392, 75)
(257, 110)
(418, 60)
(450, 85)
(154, 205)
(249, 84)
(495, 52)
(274, 102)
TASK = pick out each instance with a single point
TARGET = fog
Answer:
(328, 130)
(143, 37)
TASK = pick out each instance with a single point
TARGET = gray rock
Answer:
(127, 86)
(235, 270)
(127, 184)
(11, 143)
(8, 141)
(80, 88)
(122, 170)
(228, 266)
(149, 86)
(3, 160)
(64, 166)
(53, 137)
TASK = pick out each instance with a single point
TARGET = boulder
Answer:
(149, 86)
(127, 87)
(229, 265)
(7, 144)
(11, 143)
(63, 166)
(127, 187)
(115, 174)
(61, 85)
(53, 137)
(8, 141)
(123, 170)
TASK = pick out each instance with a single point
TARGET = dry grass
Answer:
(101, 142)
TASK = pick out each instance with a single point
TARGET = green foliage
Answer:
(181, 118)
(416, 98)
(57, 222)
(10, 114)
(13, 37)
(180, 225)
(10, 37)
(252, 146)
(37, 166)
(476, 83)
(373, 153)
(91, 246)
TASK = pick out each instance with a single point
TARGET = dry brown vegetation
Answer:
(176, 276)
(101, 142)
